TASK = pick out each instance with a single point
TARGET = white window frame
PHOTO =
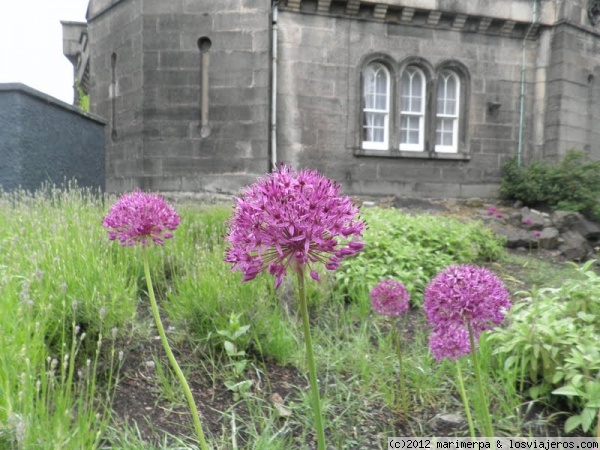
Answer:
(416, 71)
(443, 78)
(371, 70)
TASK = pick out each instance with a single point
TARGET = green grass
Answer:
(72, 301)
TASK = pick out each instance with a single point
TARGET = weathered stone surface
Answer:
(563, 220)
(589, 230)
(532, 219)
(515, 237)
(320, 56)
(574, 247)
(548, 239)
(452, 421)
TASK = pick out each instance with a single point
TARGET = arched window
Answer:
(447, 112)
(412, 109)
(376, 110)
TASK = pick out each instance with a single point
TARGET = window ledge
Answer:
(412, 154)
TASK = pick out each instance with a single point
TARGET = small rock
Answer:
(150, 365)
(450, 420)
(548, 239)
(531, 219)
(518, 204)
(474, 202)
(368, 204)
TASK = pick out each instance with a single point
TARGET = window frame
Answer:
(432, 73)
(443, 76)
(376, 145)
(422, 115)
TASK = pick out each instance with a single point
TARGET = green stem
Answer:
(402, 381)
(312, 371)
(463, 396)
(482, 398)
(172, 360)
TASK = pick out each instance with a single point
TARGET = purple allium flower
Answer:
(537, 234)
(292, 218)
(451, 343)
(139, 217)
(491, 210)
(465, 295)
(389, 298)
(500, 215)
(527, 221)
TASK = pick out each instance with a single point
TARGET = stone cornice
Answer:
(419, 13)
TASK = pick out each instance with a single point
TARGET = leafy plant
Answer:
(83, 98)
(233, 335)
(413, 249)
(572, 185)
(551, 343)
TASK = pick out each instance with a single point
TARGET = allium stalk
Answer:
(312, 368)
(460, 303)
(294, 221)
(141, 218)
(390, 298)
(464, 398)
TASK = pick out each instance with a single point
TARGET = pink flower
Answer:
(464, 296)
(491, 210)
(389, 298)
(527, 221)
(292, 219)
(537, 234)
(451, 343)
(141, 218)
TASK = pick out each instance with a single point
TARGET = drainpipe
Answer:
(522, 97)
(274, 88)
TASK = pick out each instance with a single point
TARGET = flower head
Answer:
(537, 234)
(451, 343)
(389, 298)
(141, 218)
(465, 295)
(491, 210)
(292, 219)
(527, 221)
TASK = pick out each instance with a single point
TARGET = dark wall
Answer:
(45, 140)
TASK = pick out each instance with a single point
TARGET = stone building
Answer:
(406, 97)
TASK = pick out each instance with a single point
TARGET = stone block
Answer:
(167, 40)
(238, 22)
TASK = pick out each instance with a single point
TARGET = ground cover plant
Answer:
(82, 365)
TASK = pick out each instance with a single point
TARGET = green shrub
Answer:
(412, 249)
(573, 185)
(551, 343)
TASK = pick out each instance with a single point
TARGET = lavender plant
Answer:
(390, 298)
(460, 303)
(294, 221)
(145, 219)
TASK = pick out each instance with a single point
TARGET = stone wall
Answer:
(43, 140)
(320, 93)
(116, 92)
(573, 83)
(160, 143)
(184, 86)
